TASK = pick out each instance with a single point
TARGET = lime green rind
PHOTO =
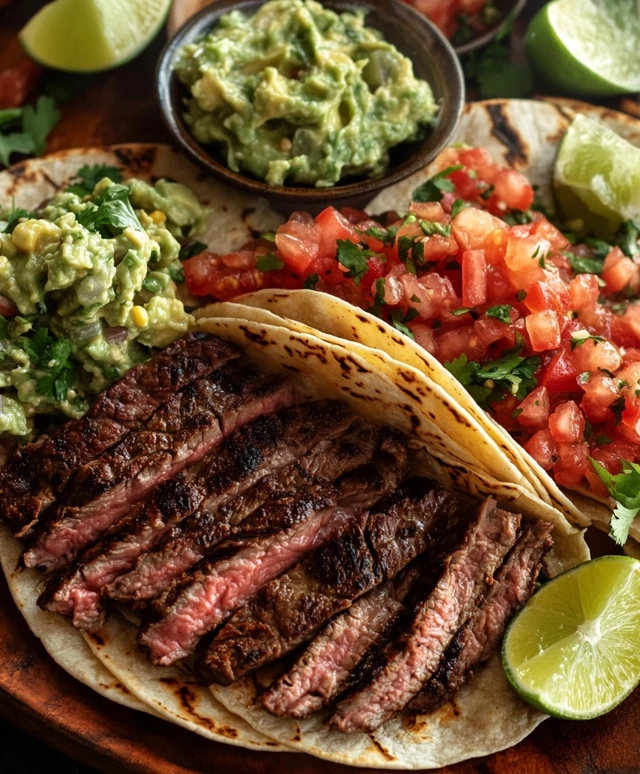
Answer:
(549, 49)
(567, 597)
(58, 38)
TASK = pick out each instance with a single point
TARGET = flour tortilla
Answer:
(488, 716)
(232, 221)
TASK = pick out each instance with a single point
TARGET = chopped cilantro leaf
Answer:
(386, 236)
(9, 219)
(311, 282)
(518, 218)
(521, 295)
(458, 206)
(191, 248)
(88, 177)
(269, 262)
(430, 228)
(431, 190)
(398, 323)
(582, 265)
(603, 440)
(511, 374)
(486, 194)
(462, 310)
(176, 273)
(38, 120)
(354, 259)
(379, 297)
(627, 239)
(624, 488)
(111, 213)
(600, 248)
(500, 312)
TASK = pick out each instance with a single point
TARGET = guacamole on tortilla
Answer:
(302, 95)
(88, 289)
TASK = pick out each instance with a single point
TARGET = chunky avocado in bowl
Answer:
(302, 102)
(297, 93)
(87, 290)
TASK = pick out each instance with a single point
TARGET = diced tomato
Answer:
(328, 270)
(472, 227)
(424, 335)
(618, 271)
(540, 297)
(463, 340)
(439, 289)
(533, 411)
(490, 330)
(566, 424)
(625, 328)
(416, 296)
(628, 378)
(572, 464)
(631, 412)
(600, 391)
(560, 375)
(241, 259)
(584, 291)
(522, 258)
(542, 447)
(513, 189)
(393, 287)
(545, 230)
(594, 355)
(474, 278)
(480, 161)
(333, 225)
(376, 270)
(428, 211)
(18, 82)
(437, 248)
(543, 330)
(631, 355)
(7, 307)
(199, 270)
(298, 242)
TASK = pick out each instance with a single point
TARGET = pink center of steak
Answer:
(224, 585)
(412, 661)
(214, 416)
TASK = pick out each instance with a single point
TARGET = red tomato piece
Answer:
(428, 211)
(618, 271)
(328, 270)
(7, 307)
(534, 409)
(600, 391)
(584, 291)
(298, 242)
(18, 82)
(440, 289)
(463, 340)
(424, 335)
(566, 424)
(490, 330)
(333, 225)
(513, 189)
(522, 258)
(631, 412)
(594, 355)
(481, 161)
(545, 230)
(572, 464)
(628, 378)
(543, 330)
(474, 278)
(472, 227)
(625, 328)
(542, 447)
(540, 297)
(560, 375)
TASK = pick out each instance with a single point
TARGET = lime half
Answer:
(587, 46)
(90, 35)
(574, 650)
(598, 169)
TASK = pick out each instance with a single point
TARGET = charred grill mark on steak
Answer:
(478, 639)
(196, 536)
(328, 665)
(372, 548)
(456, 584)
(36, 474)
(268, 543)
(181, 432)
(264, 445)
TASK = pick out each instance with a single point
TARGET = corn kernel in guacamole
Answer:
(298, 94)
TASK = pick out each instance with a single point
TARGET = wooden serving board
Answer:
(43, 700)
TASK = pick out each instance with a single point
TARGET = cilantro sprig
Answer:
(624, 488)
(354, 259)
(110, 213)
(88, 177)
(25, 130)
(489, 382)
(52, 357)
(433, 188)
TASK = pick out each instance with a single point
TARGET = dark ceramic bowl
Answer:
(507, 10)
(414, 35)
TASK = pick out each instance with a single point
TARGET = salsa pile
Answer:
(542, 327)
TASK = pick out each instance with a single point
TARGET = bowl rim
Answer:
(486, 37)
(455, 94)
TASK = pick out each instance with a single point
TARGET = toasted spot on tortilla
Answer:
(138, 161)
(508, 135)
(380, 748)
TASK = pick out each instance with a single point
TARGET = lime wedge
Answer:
(587, 46)
(597, 176)
(90, 35)
(574, 650)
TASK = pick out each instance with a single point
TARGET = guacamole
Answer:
(302, 95)
(91, 279)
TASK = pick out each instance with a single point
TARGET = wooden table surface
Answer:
(44, 701)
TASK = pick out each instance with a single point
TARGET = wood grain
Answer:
(42, 699)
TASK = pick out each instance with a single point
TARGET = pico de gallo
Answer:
(540, 326)
(460, 20)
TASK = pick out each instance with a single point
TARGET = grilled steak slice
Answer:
(181, 432)
(457, 582)
(194, 538)
(252, 452)
(325, 668)
(479, 638)
(373, 547)
(270, 541)
(36, 474)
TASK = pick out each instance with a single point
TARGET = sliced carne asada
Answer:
(372, 548)
(36, 474)
(264, 445)
(456, 581)
(326, 668)
(479, 638)
(194, 538)
(268, 543)
(181, 432)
